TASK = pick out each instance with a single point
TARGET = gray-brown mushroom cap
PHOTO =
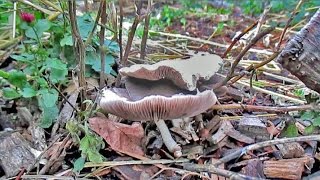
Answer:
(183, 73)
(116, 101)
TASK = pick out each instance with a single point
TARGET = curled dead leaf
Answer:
(121, 137)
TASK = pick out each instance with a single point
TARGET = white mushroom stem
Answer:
(170, 143)
(177, 123)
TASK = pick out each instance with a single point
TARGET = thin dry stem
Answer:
(242, 53)
(145, 31)
(79, 50)
(288, 23)
(254, 67)
(132, 31)
(213, 169)
(103, 6)
(259, 145)
(270, 109)
(238, 38)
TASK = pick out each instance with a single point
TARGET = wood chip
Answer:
(15, 153)
(291, 150)
(254, 128)
(287, 168)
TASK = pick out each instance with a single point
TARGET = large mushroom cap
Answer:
(183, 73)
(116, 101)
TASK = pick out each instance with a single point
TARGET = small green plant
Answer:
(40, 70)
(89, 144)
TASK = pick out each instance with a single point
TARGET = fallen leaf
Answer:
(121, 137)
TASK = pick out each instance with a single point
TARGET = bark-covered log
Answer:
(301, 56)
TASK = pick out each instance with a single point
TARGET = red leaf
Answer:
(121, 137)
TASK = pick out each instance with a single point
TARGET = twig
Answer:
(86, 6)
(262, 20)
(213, 169)
(145, 31)
(288, 23)
(51, 177)
(231, 118)
(61, 94)
(120, 29)
(121, 163)
(270, 109)
(207, 42)
(238, 38)
(46, 11)
(103, 5)
(259, 145)
(14, 19)
(96, 22)
(242, 53)
(79, 50)
(132, 31)
(254, 67)
(269, 92)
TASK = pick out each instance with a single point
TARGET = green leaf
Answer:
(42, 82)
(316, 121)
(90, 146)
(17, 78)
(309, 130)
(47, 98)
(58, 70)
(49, 114)
(10, 93)
(78, 165)
(94, 60)
(28, 92)
(23, 57)
(113, 46)
(308, 115)
(67, 40)
(4, 74)
(85, 24)
(290, 131)
(41, 26)
(95, 156)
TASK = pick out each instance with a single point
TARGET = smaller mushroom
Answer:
(157, 108)
(183, 73)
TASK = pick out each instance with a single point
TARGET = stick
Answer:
(270, 109)
(103, 6)
(238, 38)
(259, 145)
(253, 67)
(132, 31)
(145, 31)
(206, 41)
(121, 163)
(79, 50)
(288, 22)
(242, 53)
(213, 169)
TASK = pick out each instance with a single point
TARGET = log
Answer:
(301, 55)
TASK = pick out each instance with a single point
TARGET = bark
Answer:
(301, 55)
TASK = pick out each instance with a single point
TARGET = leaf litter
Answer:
(258, 129)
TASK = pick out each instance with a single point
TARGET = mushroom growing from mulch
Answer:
(166, 90)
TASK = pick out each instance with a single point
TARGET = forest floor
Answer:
(53, 122)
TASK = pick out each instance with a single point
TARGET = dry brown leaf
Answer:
(121, 137)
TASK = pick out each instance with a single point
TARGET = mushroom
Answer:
(157, 108)
(184, 73)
